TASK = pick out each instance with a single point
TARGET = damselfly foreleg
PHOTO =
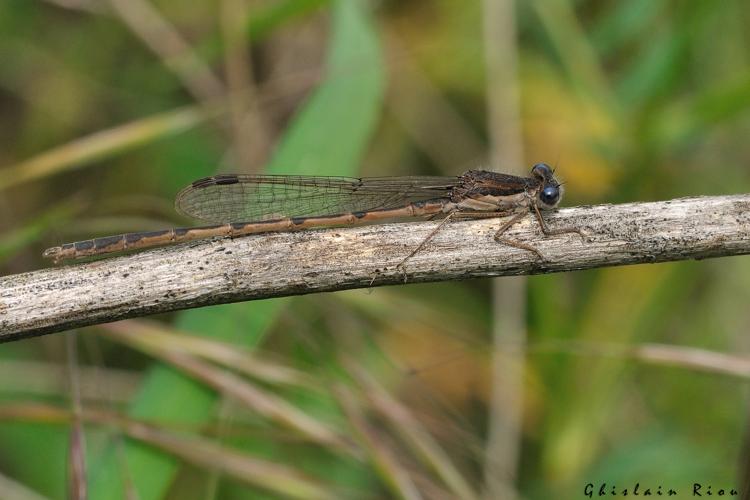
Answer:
(554, 232)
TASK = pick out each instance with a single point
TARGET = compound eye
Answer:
(542, 170)
(550, 195)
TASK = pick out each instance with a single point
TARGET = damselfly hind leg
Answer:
(457, 214)
(401, 267)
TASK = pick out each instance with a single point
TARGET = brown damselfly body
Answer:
(249, 204)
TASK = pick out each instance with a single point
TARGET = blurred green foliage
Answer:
(637, 100)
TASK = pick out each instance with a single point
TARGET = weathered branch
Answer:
(276, 264)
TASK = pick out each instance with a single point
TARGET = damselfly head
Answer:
(542, 171)
(550, 191)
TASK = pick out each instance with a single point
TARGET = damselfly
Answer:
(291, 202)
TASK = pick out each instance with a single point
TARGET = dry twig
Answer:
(271, 265)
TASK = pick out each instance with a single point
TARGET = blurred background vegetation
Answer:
(107, 108)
